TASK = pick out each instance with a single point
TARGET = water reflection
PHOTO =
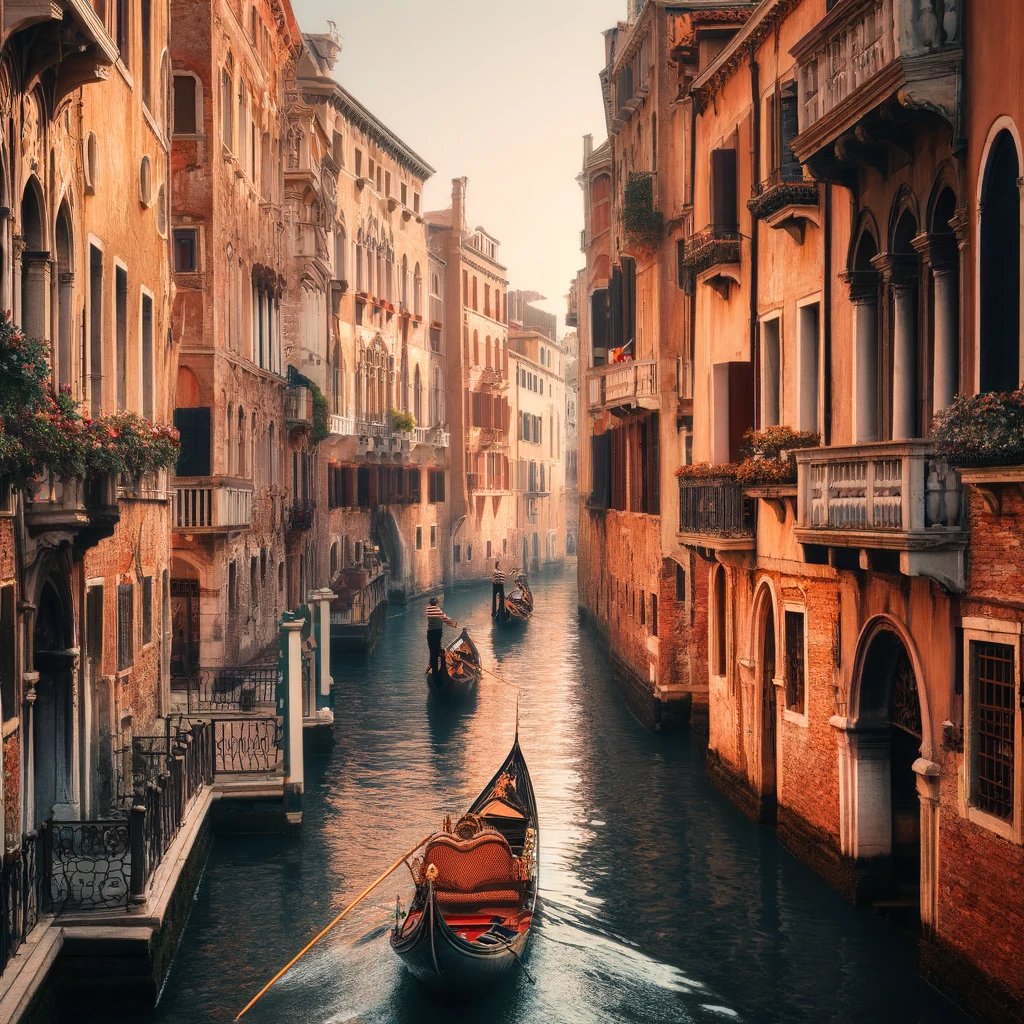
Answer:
(659, 902)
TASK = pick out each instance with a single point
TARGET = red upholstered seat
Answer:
(478, 870)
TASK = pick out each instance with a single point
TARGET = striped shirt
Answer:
(497, 576)
(435, 616)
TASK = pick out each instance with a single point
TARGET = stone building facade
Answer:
(537, 443)
(384, 481)
(858, 269)
(475, 333)
(84, 565)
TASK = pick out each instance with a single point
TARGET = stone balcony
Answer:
(298, 407)
(712, 257)
(490, 377)
(212, 505)
(890, 506)
(716, 515)
(786, 203)
(86, 508)
(904, 55)
(622, 387)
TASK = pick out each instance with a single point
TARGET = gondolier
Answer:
(436, 620)
(497, 591)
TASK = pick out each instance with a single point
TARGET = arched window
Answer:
(417, 398)
(487, 351)
(999, 279)
(272, 446)
(65, 325)
(476, 348)
(359, 266)
(34, 265)
(405, 282)
(240, 465)
(437, 398)
(188, 104)
(336, 381)
(229, 433)
(340, 243)
(334, 559)
(225, 104)
(719, 648)
(254, 468)
(417, 292)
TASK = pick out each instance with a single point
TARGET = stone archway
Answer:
(387, 535)
(888, 819)
(766, 661)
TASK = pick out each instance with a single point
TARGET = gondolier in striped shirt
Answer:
(436, 619)
(497, 591)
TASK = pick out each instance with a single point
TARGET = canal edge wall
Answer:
(119, 958)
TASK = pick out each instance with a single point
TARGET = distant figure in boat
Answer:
(436, 620)
(497, 591)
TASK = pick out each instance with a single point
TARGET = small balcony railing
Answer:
(431, 435)
(889, 496)
(75, 503)
(436, 309)
(632, 383)
(715, 507)
(486, 377)
(298, 407)
(342, 426)
(300, 515)
(713, 247)
(212, 505)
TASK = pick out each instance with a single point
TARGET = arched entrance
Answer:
(769, 743)
(387, 536)
(185, 645)
(52, 712)
(890, 725)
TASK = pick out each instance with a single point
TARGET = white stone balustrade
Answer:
(210, 505)
(634, 382)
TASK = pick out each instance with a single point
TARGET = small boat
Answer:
(476, 890)
(519, 604)
(460, 668)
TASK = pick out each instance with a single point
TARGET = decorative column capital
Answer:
(863, 285)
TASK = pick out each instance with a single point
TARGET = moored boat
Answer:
(476, 890)
(460, 669)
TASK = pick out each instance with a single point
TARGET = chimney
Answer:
(459, 204)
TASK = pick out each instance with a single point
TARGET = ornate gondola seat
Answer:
(481, 870)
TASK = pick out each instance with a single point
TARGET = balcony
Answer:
(298, 407)
(487, 437)
(786, 203)
(86, 508)
(716, 515)
(712, 257)
(212, 505)
(436, 310)
(342, 426)
(903, 54)
(300, 515)
(894, 503)
(621, 387)
(431, 435)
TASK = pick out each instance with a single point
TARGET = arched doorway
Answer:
(890, 713)
(769, 743)
(185, 620)
(52, 712)
(388, 537)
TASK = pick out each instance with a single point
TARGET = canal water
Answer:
(660, 902)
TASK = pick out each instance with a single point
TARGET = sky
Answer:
(502, 93)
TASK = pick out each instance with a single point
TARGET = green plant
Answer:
(403, 422)
(982, 430)
(785, 193)
(320, 415)
(642, 223)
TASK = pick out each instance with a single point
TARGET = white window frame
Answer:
(800, 718)
(719, 577)
(808, 413)
(769, 320)
(978, 629)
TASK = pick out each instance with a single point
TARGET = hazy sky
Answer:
(500, 92)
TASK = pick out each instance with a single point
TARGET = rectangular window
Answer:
(147, 357)
(992, 671)
(122, 30)
(680, 584)
(147, 53)
(147, 609)
(359, 163)
(121, 328)
(795, 687)
(194, 427)
(186, 250)
(125, 627)
(654, 614)
(184, 105)
(95, 331)
(457, 553)
(488, 549)
(436, 487)
(419, 538)
(232, 587)
(469, 552)
(416, 202)
(771, 384)
(404, 188)
(807, 368)
(433, 537)
(387, 183)
(723, 191)
(7, 659)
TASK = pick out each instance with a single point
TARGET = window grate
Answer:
(994, 673)
(795, 661)
(125, 627)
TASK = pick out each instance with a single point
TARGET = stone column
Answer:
(294, 782)
(928, 794)
(946, 356)
(904, 363)
(865, 802)
(324, 597)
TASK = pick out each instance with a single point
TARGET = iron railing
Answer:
(233, 689)
(20, 881)
(715, 507)
(301, 513)
(247, 745)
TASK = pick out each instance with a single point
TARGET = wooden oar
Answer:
(515, 686)
(366, 892)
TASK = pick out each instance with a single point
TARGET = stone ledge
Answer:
(28, 969)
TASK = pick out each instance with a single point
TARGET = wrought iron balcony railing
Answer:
(298, 407)
(633, 383)
(715, 508)
(300, 516)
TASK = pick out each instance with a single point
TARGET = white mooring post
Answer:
(325, 596)
(294, 780)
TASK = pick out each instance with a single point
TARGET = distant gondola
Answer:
(460, 668)
(518, 604)
(476, 890)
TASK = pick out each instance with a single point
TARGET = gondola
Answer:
(476, 890)
(518, 604)
(460, 668)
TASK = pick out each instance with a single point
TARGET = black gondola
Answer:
(518, 604)
(476, 890)
(460, 669)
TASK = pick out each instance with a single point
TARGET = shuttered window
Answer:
(194, 427)
(147, 609)
(723, 190)
(125, 627)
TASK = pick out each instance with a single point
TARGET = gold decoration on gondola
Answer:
(468, 826)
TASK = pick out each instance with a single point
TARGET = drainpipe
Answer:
(755, 164)
(826, 320)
